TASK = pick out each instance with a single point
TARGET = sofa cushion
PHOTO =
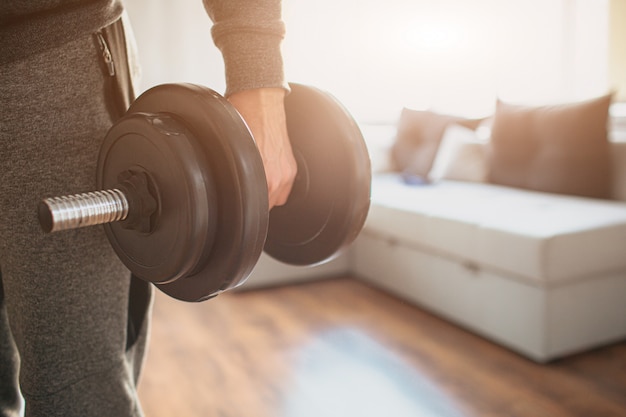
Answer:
(461, 156)
(558, 149)
(418, 137)
(541, 238)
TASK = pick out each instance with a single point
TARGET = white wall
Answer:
(617, 48)
(174, 42)
(454, 56)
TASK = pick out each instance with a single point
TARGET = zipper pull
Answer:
(106, 53)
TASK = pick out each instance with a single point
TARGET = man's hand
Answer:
(264, 111)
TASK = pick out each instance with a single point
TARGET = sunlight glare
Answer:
(434, 36)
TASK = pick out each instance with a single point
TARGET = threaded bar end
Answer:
(82, 210)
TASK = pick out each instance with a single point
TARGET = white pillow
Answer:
(461, 156)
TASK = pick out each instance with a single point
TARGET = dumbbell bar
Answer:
(184, 199)
(82, 210)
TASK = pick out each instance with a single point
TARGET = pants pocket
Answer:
(119, 86)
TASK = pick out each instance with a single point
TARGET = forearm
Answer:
(249, 34)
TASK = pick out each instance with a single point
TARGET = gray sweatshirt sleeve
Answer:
(249, 34)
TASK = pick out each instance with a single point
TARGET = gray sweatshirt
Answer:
(248, 33)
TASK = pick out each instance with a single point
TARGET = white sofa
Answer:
(542, 274)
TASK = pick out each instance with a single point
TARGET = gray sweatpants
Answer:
(71, 319)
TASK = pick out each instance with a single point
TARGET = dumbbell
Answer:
(183, 193)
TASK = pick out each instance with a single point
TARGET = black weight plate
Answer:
(330, 199)
(236, 167)
(162, 148)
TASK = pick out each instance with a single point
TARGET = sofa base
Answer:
(270, 272)
(541, 323)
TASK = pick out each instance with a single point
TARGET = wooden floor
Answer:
(339, 348)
